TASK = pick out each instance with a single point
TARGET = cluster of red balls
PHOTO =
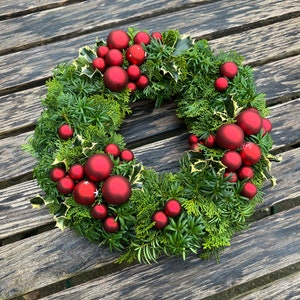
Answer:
(240, 155)
(228, 71)
(82, 181)
(110, 60)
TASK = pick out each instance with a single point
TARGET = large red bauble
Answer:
(65, 185)
(114, 57)
(142, 37)
(99, 64)
(115, 78)
(230, 136)
(65, 131)
(245, 172)
(116, 189)
(249, 190)
(112, 149)
(126, 155)
(250, 153)
(134, 72)
(250, 121)
(57, 173)
(232, 160)
(135, 54)
(99, 211)
(229, 69)
(111, 225)
(221, 84)
(76, 172)
(98, 167)
(161, 219)
(118, 39)
(172, 208)
(85, 192)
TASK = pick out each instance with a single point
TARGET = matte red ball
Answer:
(229, 69)
(193, 139)
(161, 219)
(98, 167)
(250, 121)
(135, 54)
(230, 136)
(102, 51)
(250, 153)
(99, 64)
(65, 185)
(76, 172)
(142, 37)
(172, 208)
(85, 192)
(233, 176)
(195, 147)
(245, 172)
(249, 190)
(114, 57)
(99, 211)
(156, 35)
(232, 160)
(142, 82)
(116, 189)
(210, 141)
(65, 131)
(118, 39)
(266, 125)
(131, 86)
(57, 173)
(221, 84)
(134, 72)
(115, 78)
(111, 225)
(126, 155)
(112, 149)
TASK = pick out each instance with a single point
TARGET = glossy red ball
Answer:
(229, 69)
(230, 136)
(118, 39)
(232, 160)
(76, 172)
(250, 121)
(98, 167)
(111, 225)
(57, 173)
(65, 131)
(172, 208)
(99, 211)
(65, 185)
(249, 190)
(135, 54)
(161, 219)
(115, 78)
(250, 153)
(85, 192)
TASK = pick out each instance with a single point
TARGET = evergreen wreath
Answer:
(94, 184)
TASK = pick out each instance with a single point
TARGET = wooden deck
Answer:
(37, 260)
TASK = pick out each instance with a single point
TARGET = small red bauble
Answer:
(142, 82)
(250, 121)
(115, 78)
(193, 139)
(85, 192)
(102, 51)
(250, 153)
(156, 35)
(112, 149)
(131, 86)
(195, 147)
(76, 172)
(126, 155)
(230, 136)
(221, 84)
(116, 189)
(232, 160)
(57, 173)
(99, 64)
(245, 172)
(99, 211)
(118, 39)
(98, 167)
(266, 125)
(134, 72)
(161, 219)
(114, 57)
(172, 208)
(249, 190)
(65, 185)
(229, 69)
(210, 141)
(142, 37)
(135, 54)
(233, 177)
(111, 225)
(65, 131)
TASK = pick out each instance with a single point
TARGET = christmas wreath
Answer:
(93, 183)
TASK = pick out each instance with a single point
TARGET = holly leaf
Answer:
(87, 53)
(183, 45)
(60, 223)
(172, 69)
(37, 201)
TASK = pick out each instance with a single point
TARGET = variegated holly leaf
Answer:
(182, 45)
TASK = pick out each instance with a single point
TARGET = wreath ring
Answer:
(94, 184)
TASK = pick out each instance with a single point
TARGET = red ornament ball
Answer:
(99, 211)
(210, 141)
(230, 136)
(161, 219)
(65, 185)
(266, 125)
(245, 172)
(193, 139)
(111, 225)
(76, 172)
(116, 189)
(131, 86)
(156, 35)
(57, 173)
(229, 69)
(126, 155)
(249, 190)
(102, 51)
(114, 57)
(142, 82)
(85, 192)
(99, 64)
(250, 153)
(142, 37)
(115, 78)
(195, 147)
(221, 84)
(232, 176)
(135, 54)
(232, 160)
(250, 121)
(98, 167)
(134, 72)
(65, 131)
(112, 149)
(172, 208)
(118, 39)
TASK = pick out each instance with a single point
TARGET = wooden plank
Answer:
(252, 260)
